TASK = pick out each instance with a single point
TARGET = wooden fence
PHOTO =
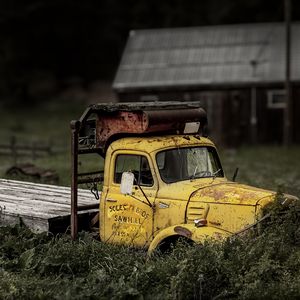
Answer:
(33, 149)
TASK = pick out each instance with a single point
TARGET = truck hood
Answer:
(232, 193)
(218, 190)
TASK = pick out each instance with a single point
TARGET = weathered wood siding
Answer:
(229, 110)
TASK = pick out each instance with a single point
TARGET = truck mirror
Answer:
(127, 183)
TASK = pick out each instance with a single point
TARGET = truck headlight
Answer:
(200, 222)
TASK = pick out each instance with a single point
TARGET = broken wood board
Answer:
(42, 207)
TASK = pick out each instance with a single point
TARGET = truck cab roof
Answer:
(155, 143)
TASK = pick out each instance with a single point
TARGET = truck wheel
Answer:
(167, 245)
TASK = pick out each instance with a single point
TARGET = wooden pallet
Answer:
(41, 207)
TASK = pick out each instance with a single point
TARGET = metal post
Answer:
(75, 126)
(287, 130)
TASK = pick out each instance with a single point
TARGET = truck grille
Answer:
(196, 210)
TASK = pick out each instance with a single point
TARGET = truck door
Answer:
(128, 219)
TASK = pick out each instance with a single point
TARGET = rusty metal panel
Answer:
(137, 119)
(143, 122)
(119, 122)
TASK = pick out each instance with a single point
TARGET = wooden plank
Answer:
(31, 208)
(58, 192)
(63, 199)
(26, 213)
(44, 199)
(33, 195)
(41, 210)
(64, 191)
(45, 208)
(57, 224)
(39, 206)
(46, 187)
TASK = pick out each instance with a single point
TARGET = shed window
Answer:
(276, 99)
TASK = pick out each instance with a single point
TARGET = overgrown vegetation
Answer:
(249, 267)
(265, 266)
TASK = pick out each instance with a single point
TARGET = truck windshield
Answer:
(188, 163)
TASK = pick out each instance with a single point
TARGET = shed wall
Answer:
(229, 112)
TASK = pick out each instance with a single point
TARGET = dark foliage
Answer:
(65, 38)
(255, 266)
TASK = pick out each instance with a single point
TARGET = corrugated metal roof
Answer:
(230, 54)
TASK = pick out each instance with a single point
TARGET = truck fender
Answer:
(188, 231)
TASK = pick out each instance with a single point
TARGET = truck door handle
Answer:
(111, 200)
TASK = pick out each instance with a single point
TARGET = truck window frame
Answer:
(215, 157)
(141, 156)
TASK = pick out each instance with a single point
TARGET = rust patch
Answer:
(215, 193)
(215, 223)
(219, 195)
(236, 193)
(140, 121)
(183, 231)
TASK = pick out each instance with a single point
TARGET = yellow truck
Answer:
(162, 177)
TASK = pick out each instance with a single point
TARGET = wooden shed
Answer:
(237, 72)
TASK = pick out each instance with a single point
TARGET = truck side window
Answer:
(137, 164)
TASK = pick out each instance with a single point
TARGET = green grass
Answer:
(270, 167)
(48, 122)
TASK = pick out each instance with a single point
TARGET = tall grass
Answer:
(265, 266)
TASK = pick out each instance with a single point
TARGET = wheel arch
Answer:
(188, 232)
